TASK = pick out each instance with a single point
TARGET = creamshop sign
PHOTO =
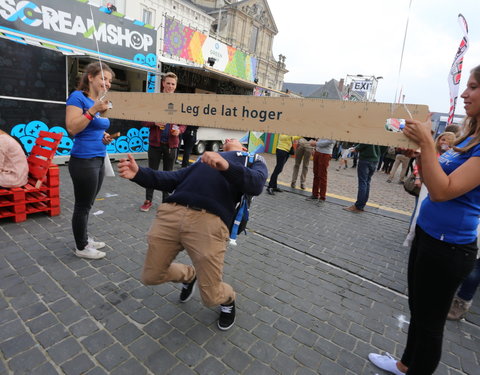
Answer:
(70, 24)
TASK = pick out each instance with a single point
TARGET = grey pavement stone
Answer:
(160, 362)
(191, 355)
(52, 335)
(112, 356)
(44, 369)
(127, 333)
(26, 361)
(64, 350)
(83, 328)
(16, 345)
(210, 366)
(78, 365)
(97, 342)
(131, 366)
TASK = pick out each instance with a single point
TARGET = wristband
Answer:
(88, 116)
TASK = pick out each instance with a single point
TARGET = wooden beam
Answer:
(333, 119)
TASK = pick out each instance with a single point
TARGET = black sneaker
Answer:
(187, 291)
(227, 316)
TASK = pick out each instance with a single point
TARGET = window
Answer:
(147, 17)
(253, 39)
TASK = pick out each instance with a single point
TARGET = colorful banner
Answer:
(456, 70)
(189, 44)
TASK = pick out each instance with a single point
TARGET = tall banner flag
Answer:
(456, 69)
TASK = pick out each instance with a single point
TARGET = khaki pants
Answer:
(403, 160)
(204, 236)
(303, 153)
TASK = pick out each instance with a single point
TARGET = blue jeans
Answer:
(365, 171)
(470, 284)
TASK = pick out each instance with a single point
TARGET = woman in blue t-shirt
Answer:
(83, 121)
(444, 249)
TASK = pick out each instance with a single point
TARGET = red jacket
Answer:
(156, 133)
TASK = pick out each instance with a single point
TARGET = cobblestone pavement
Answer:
(317, 288)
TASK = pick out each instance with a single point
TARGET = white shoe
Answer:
(89, 253)
(385, 362)
(95, 244)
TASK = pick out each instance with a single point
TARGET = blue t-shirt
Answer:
(454, 221)
(88, 143)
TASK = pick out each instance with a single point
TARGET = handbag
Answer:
(292, 150)
(410, 187)
(107, 165)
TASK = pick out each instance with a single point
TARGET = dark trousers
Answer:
(87, 177)
(365, 171)
(189, 139)
(320, 171)
(155, 155)
(282, 157)
(435, 270)
(470, 284)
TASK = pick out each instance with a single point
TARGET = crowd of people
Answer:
(443, 268)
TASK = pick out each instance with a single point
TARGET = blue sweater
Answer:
(202, 186)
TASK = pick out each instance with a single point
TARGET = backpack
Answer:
(240, 220)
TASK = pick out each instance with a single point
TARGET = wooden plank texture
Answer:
(333, 119)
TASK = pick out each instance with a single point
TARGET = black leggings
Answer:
(87, 177)
(435, 270)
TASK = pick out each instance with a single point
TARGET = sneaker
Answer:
(227, 316)
(187, 291)
(89, 253)
(459, 309)
(145, 207)
(95, 244)
(292, 185)
(312, 198)
(385, 362)
(277, 190)
(302, 186)
(353, 208)
(270, 191)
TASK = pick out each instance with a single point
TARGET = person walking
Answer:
(444, 248)
(189, 138)
(87, 157)
(163, 142)
(321, 160)
(283, 152)
(400, 159)
(197, 217)
(303, 153)
(367, 163)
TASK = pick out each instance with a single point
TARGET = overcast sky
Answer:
(329, 39)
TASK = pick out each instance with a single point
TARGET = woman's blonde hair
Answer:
(450, 137)
(470, 125)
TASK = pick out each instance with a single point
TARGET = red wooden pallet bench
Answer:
(42, 192)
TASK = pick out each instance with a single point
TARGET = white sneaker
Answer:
(89, 253)
(95, 244)
(385, 362)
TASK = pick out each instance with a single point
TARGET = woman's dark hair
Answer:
(93, 69)
(471, 124)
